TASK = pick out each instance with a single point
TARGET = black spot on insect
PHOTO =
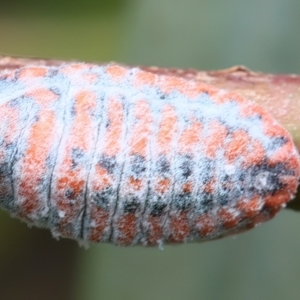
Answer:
(242, 175)
(278, 142)
(77, 157)
(163, 165)
(101, 199)
(35, 119)
(223, 197)
(226, 177)
(182, 201)
(52, 72)
(15, 102)
(265, 179)
(204, 94)
(186, 167)
(108, 163)
(224, 194)
(7, 201)
(206, 171)
(4, 80)
(70, 193)
(206, 202)
(107, 124)
(268, 210)
(131, 205)
(137, 165)
(157, 209)
(55, 91)
(8, 147)
(73, 111)
(49, 162)
(4, 170)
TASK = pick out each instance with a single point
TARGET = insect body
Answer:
(120, 155)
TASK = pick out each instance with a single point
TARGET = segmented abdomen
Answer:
(112, 154)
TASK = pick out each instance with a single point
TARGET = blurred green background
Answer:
(206, 34)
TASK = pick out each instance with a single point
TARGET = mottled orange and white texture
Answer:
(121, 155)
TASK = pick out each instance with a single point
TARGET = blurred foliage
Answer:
(88, 35)
(33, 265)
(62, 6)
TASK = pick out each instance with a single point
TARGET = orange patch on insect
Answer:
(272, 129)
(81, 133)
(253, 110)
(277, 200)
(72, 69)
(179, 227)
(39, 131)
(112, 137)
(8, 75)
(206, 225)
(9, 130)
(127, 228)
(143, 78)
(255, 155)
(249, 207)
(71, 177)
(34, 163)
(30, 73)
(214, 138)
(155, 230)
(43, 96)
(117, 73)
(170, 84)
(210, 186)
(141, 130)
(90, 78)
(266, 214)
(187, 187)
(100, 219)
(163, 185)
(228, 218)
(238, 146)
(135, 184)
(225, 96)
(71, 182)
(196, 89)
(168, 128)
(102, 179)
(283, 154)
(294, 164)
(85, 104)
(190, 138)
(290, 182)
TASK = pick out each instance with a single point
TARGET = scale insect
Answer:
(120, 155)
